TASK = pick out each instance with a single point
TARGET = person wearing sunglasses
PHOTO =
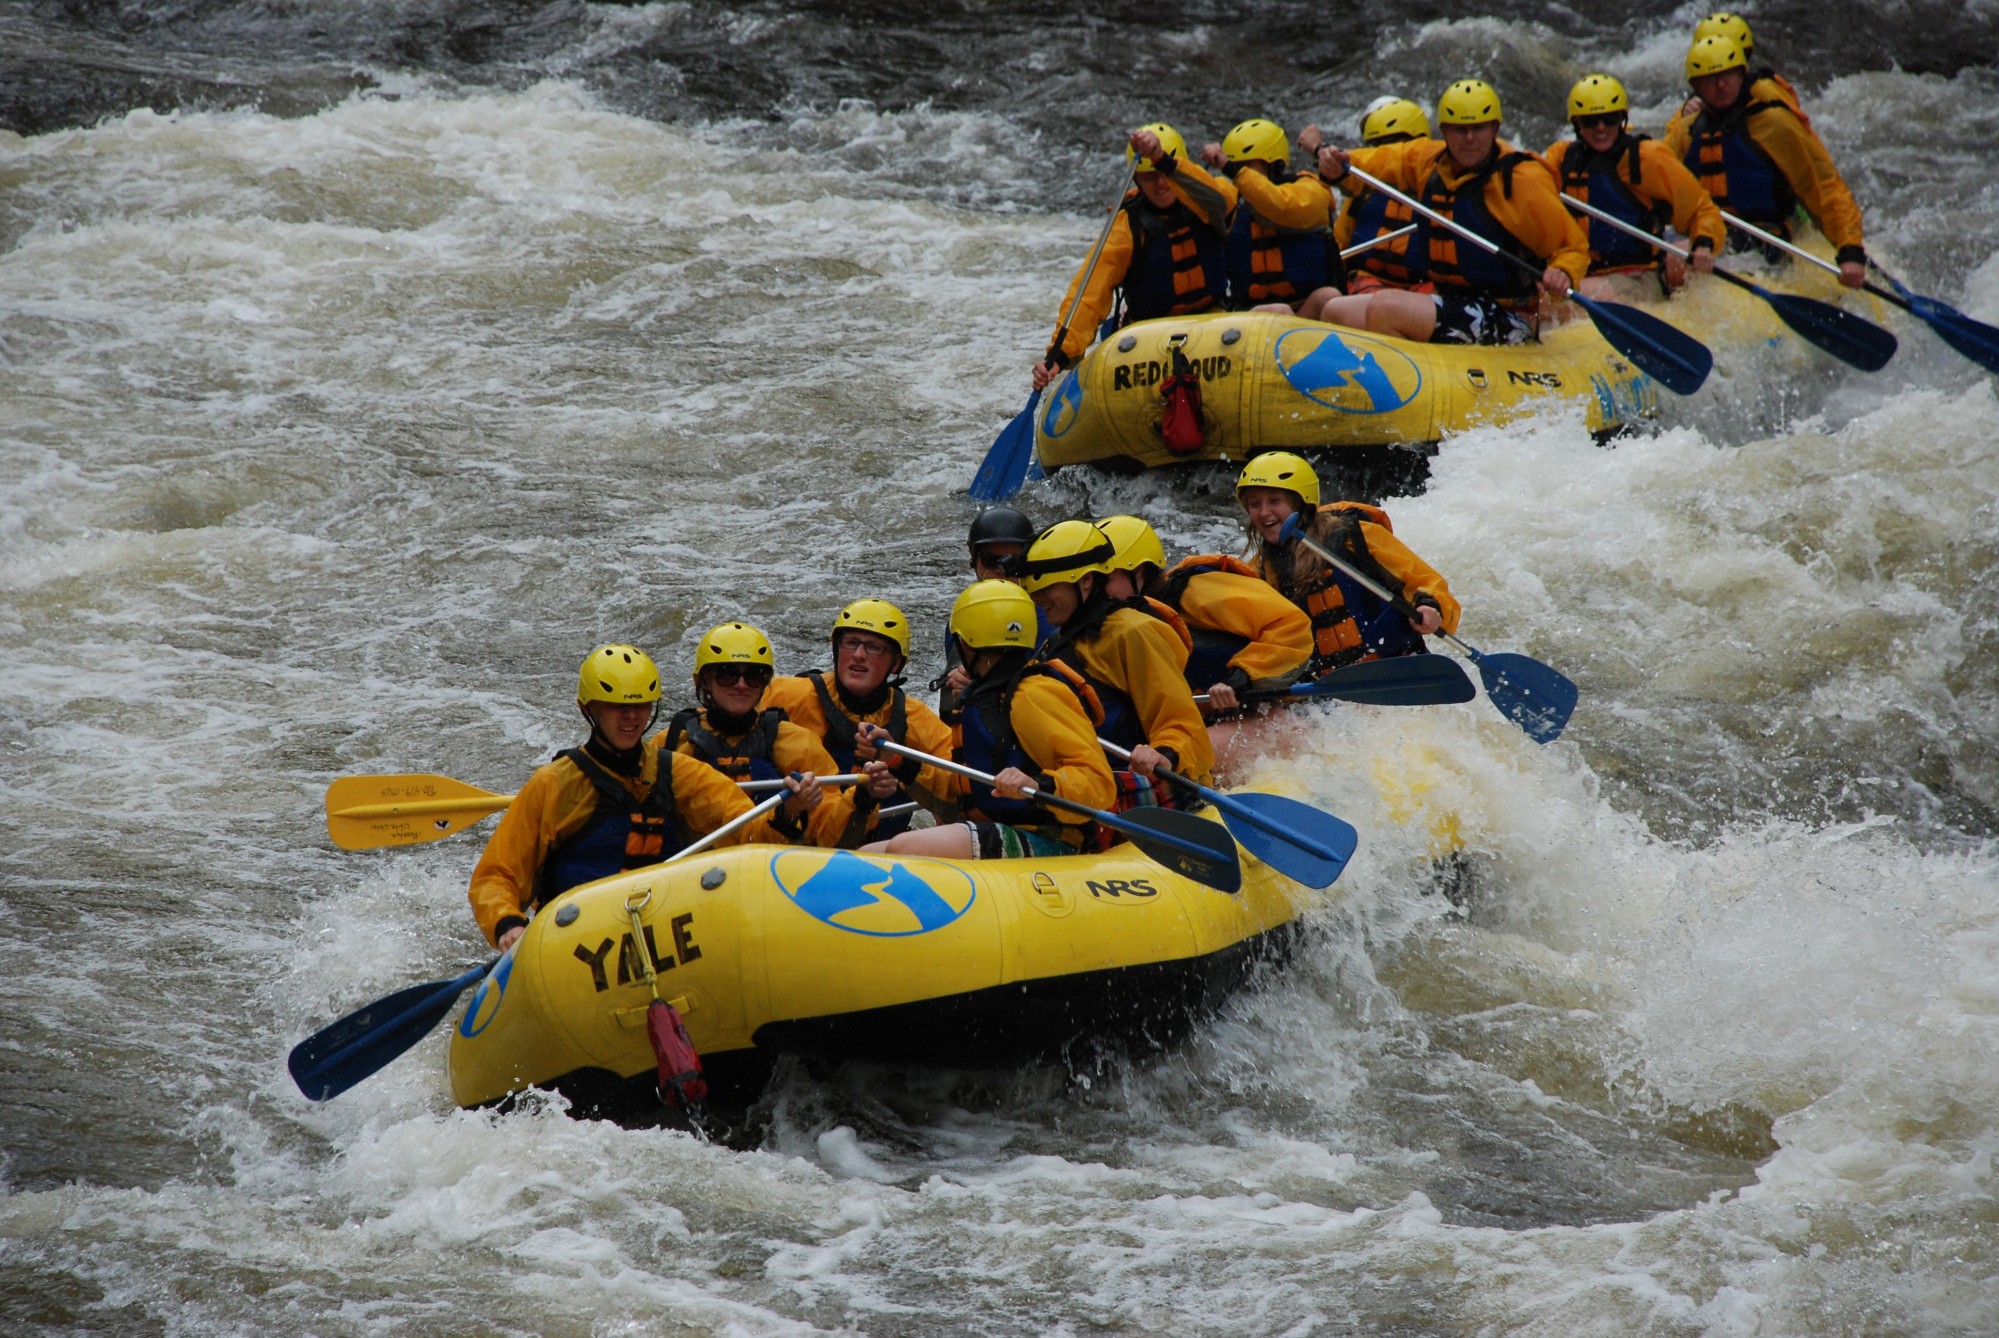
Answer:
(608, 805)
(727, 730)
(1485, 185)
(1639, 180)
(1281, 253)
(870, 640)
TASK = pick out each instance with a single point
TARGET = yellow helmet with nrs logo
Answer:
(1135, 543)
(1065, 551)
(1170, 142)
(619, 674)
(1280, 469)
(1391, 120)
(994, 615)
(1597, 95)
(1257, 139)
(1468, 102)
(733, 643)
(1714, 55)
(876, 616)
(1732, 26)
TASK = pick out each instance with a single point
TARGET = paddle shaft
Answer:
(1393, 598)
(1089, 271)
(972, 773)
(1377, 184)
(1801, 253)
(1228, 805)
(1684, 253)
(1382, 240)
(493, 803)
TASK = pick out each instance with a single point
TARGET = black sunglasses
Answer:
(740, 673)
(1599, 122)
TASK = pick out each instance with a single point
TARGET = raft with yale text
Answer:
(1272, 382)
(775, 950)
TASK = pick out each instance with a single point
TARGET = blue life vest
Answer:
(1456, 263)
(1179, 264)
(839, 741)
(747, 758)
(1404, 262)
(1267, 263)
(1608, 180)
(1734, 169)
(621, 833)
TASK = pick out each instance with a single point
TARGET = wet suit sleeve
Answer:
(1213, 198)
(556, 801)
(1053, 730)
(1420, 581)
(707, 799)
(1280, 635)
(1404, 166)
(935, 790)
(1302, 204)
(1536, 215)
(1803, 160)
(1142, 656)
(1095, 303)
(797, 750)
(1664, 178)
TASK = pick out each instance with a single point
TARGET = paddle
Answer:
(1307, 845)
(1973, 338)
(1673, 358)
(334, 1058)
(1404, 680)
(1526, 691)
(1853, 340)
(370, 812)
(1382, 240)
(1011, 455)
(1195, 847)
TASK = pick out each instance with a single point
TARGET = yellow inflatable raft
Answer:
(1277, 382)
(771, 950)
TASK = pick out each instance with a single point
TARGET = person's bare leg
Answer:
(945, 841)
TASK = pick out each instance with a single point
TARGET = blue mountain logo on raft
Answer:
(485, 1005)
(862, 896)
(1060, 415)
(1347, 372)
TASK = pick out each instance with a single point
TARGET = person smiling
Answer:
(608, 806)
(1349, 623)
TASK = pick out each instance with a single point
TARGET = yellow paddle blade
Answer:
(369, 812)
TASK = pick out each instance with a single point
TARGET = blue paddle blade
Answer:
(1973, 338)
(1406, 680)
(1199, 849)
(333, 1059)
(1307, 845)
(1529, 693)
(1853, 340)
(1673, 358)
(1007, 461)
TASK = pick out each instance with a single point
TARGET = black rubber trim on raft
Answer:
(1134, 1010)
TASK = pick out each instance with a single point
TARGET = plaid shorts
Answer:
(996, 840)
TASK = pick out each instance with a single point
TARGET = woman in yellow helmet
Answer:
(607, 806)
(1024, 724)
(1281, 253)
(1349, 623)
(1637, 179)
(870, 640)
(1754, 152)
(1164, 254)
(733, 665)
(1488, 187)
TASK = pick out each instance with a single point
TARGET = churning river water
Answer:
(362, 365)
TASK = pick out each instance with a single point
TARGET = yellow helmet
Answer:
(1136, 543)
(1390, 120)
(1280, 469)
(1064, 551)
(617, 673)
(1597, 95)
(1714, 55)
(1731, 26)
(1257, 139)
(877, 616)
(1468, 102)
(733, 643)
(990, 614)
(1169, 142)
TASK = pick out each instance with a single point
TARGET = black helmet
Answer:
(1000, 525)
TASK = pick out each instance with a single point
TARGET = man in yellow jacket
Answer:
(1165, 254)
(1132, 659)
(732, 730)
(1507, 196)
(1281, 253)
(1637, 179)
(607, 806)
(870, 651)
(1245, 635)
(1755, 153)
(1024, 724)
